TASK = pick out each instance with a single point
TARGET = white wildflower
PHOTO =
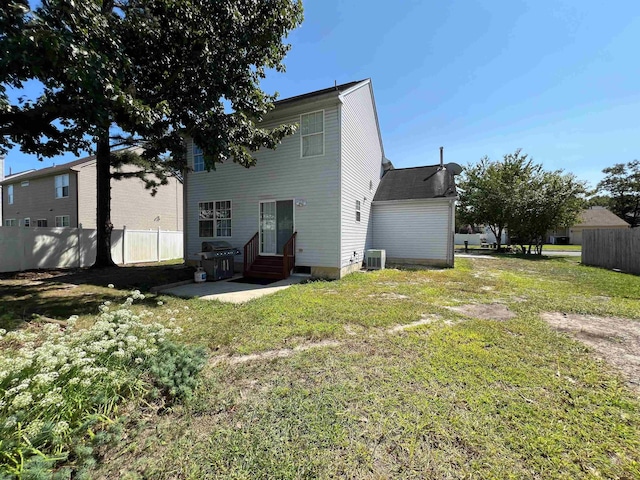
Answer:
(22, 400)
(111, 285)
(160, 303)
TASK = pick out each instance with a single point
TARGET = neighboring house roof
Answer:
(17, 174)
(58, 169)
(338, 89)
(416, 183)
(599, 217)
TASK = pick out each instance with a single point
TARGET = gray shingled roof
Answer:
(43, 172)
(599, 217)
(338, 89)
(416, 183)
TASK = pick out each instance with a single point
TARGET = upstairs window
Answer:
(10, 222)
(10, 194)
(62, 186)
(26, 222)
(25, 183)
(312, 134)
(42, 222)
(198, 159)
(357, 210)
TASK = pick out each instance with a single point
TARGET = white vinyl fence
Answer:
(25, 248)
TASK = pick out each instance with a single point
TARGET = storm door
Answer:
(276, 226)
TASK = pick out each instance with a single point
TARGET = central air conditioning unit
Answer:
(376, 259)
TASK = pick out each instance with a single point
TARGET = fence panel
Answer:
(26, 248)
(171, 245)
(612, 248)
(140, 246)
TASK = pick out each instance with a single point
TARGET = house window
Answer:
(357, 210)
(198, 159)
(214, 218)
(223, 219)
(61, 221)
(25, 183)
(206, 217)
(10, 194)
(10, 222)
(62, 186)
(42, 222)
(26, 222)
(312, 134)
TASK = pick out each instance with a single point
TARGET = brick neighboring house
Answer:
(65, 196)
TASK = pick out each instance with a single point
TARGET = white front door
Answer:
(276, 226)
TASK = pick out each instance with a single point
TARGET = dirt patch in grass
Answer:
(485, 311)
(615, 340)
(389, 296)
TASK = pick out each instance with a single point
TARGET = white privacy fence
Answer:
(24, 248)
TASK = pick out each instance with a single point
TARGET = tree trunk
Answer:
(103, 192)
(497, 232)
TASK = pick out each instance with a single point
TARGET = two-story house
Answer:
(65, 196)
(313, 203)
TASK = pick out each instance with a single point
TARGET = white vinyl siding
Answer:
(198, 159)
(10, 194)
(312, 134)
(278, 175)
(360, 172)
(61, 221)
(414, 229)
(62, 185)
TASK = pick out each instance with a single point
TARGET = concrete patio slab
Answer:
(231, 292)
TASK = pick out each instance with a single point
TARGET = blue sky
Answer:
(559, 79)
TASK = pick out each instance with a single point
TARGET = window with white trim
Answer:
(223, 218)
(62, 221)
(198, 159)
(205, 219)
(10, 194)
(25, 183)
(62, 186)
(26, 222)
(10, 222)
(312, 134)
(41, 222)
(214, 219)
(357, 210)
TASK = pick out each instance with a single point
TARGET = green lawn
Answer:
(457, 397)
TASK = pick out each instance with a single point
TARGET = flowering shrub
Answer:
(60, 386)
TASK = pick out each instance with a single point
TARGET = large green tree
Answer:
(519, 195)
(622, 182)
(118, 73)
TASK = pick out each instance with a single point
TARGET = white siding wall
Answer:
(414, 229)
(278, 175)
(361, 162)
